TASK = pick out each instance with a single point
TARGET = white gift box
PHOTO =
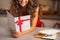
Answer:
(20, 23)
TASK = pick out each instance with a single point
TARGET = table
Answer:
(5, 35)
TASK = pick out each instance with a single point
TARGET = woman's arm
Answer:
(34, 21)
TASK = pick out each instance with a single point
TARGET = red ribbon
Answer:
(20, 22)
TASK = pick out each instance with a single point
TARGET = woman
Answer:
(25, 7)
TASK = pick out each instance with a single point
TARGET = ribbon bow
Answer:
(20, 22)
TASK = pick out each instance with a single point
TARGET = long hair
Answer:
(18, 10)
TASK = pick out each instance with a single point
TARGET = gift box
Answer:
(19, 23)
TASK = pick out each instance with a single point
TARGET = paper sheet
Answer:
(50, 32)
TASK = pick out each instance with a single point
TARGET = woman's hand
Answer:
(16, 34)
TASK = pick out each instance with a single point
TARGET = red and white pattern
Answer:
(22, 23)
